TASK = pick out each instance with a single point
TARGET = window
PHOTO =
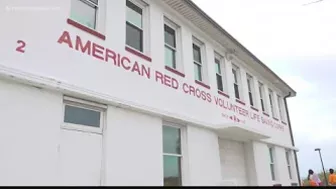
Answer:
(272, 162)
(85, 12)
(280, 108)
(288, 155)
(250, 87)
(261, 92)
(220, 72)
(270, 95)
(82, 115)
(172, 156)
(197, 54)
(135, 25)
(236, 79)
(172, 44)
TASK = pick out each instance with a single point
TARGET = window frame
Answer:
(183, 146)
(280, 107)
(200, 45)
(289, 164)
(271, 103)
(92, 5)
(78, 103)
(145, 25)
(178, 46)
(238, 82)
(250, 89)
(272, 163)
(261, 88)
(222, 73)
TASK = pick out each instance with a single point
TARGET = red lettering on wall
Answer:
(110, 55)
(188, 89)
(126, 67)
(21, 46)
(127, 64)
(166, 80)
(145, 71)
(65, 38)
(84, 48)
(97, 51)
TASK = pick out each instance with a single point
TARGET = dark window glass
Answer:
(172, 170)
(134, 37)
(198, 71)
(262, 105)
(218, 69)
(81, 116)
(171, 140)
(170, 36)
(219, 82)
(84, 13)
(134, 14)
(236, 89)
(251, 98)
(170, 57)
(197, 53)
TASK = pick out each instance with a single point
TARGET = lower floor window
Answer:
(172, 170)
(83, 115)
(172, 156)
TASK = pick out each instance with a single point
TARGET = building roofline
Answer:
(221, 29)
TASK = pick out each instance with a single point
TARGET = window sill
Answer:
(86, 29)
(255, 109)
(202, 84)
(283, 122)
(137, 53)
(174, 71)
(240, 102)
(276, 119)
(223, 94)
(265, 114)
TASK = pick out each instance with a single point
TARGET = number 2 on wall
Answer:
(21, 46)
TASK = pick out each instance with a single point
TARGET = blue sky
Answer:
(299, 44)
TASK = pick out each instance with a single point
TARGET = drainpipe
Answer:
(292, 138)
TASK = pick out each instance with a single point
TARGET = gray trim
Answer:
(197, 9)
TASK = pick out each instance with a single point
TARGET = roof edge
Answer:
(216, 25)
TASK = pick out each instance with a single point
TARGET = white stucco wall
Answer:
(131, 145)
(29, 135)
(203, 157)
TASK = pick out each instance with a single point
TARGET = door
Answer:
(233, 167)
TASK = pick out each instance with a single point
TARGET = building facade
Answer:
(136, 92)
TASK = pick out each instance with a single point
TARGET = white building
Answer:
(136, 92)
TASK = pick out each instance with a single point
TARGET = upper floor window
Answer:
(236, 81)
(172, 45)
(198, 60)
(85, 12)
(250, 87)
(262, 96)
(289, 166)
(272, 162)
(220, 72)
(135, 24)
(270, 95)
(281, 113)
(172, 156)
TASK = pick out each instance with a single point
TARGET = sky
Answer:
(299, 44)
